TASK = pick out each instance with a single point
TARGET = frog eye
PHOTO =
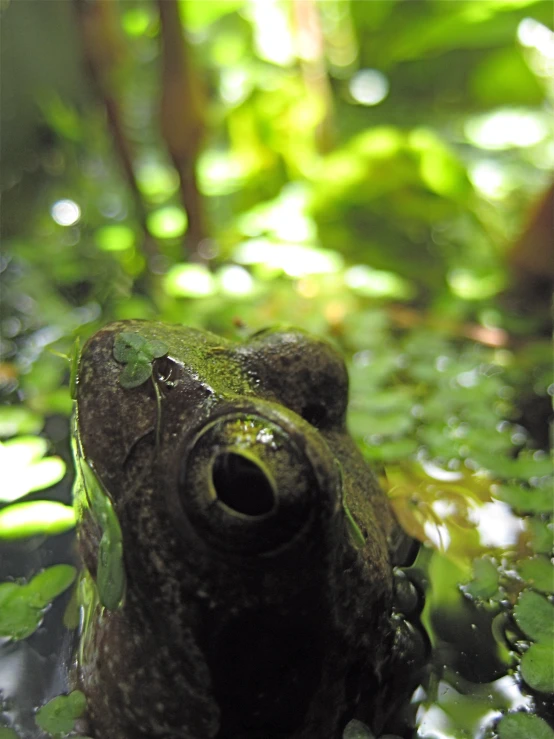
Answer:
(246, 485)
(242, 485)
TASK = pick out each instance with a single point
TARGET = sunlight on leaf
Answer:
(157, 181)
(23, 470)
(296, 260)
(169, 222)
(189, 281)
(115, 238)
(16, 419)
(41, 517)
(377, 283)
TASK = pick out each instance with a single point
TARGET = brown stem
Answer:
(310, 49)
(102, 53)
(182, 123)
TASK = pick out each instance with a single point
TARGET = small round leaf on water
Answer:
(18, 617)
(58, 715)
(8, 734)
(519, 725)
(537, 667)
(485, 582)
(357, 730)
(50, 583)
(22, 606)
(534, 615)
(537, 572)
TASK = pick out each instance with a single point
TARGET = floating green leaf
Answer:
(526, 500)
(50, 583)
(357, 730)
(537, 667)
(15, 419)
(519, 725)
(535, 616)
(58, 716)
(8, 734)
(37, 517)
(537, 572)
(23, 470)
(23, 605)
(485, 579)
(542, 535)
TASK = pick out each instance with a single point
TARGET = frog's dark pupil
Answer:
(241, 485)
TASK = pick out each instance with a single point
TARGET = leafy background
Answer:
(378, 172)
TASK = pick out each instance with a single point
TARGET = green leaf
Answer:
(58, 715)
(130, 338)
(155, 349)
(535, 616)
(485, 582)
(111, 570)
(356, 730)
(537, 572)
(110, 575)
(37, 517)
(135, 373)
(542, 535)
(22, 606)
(537, 667)
(519, 725)
(15, 419)
(124, 353)
(50, 583)
(523, 500)
(18, 617)
(8, 734)
(23, 470)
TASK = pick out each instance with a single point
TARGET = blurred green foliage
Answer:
(370, 171)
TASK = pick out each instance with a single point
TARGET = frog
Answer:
(237, 549)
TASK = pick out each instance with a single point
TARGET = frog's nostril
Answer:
(242, 485)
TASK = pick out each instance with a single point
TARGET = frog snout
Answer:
(248, 481)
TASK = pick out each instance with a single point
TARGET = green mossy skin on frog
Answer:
(245, 615)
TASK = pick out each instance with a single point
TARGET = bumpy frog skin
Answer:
(257, 582)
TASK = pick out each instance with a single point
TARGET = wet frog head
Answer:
(237, 581)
